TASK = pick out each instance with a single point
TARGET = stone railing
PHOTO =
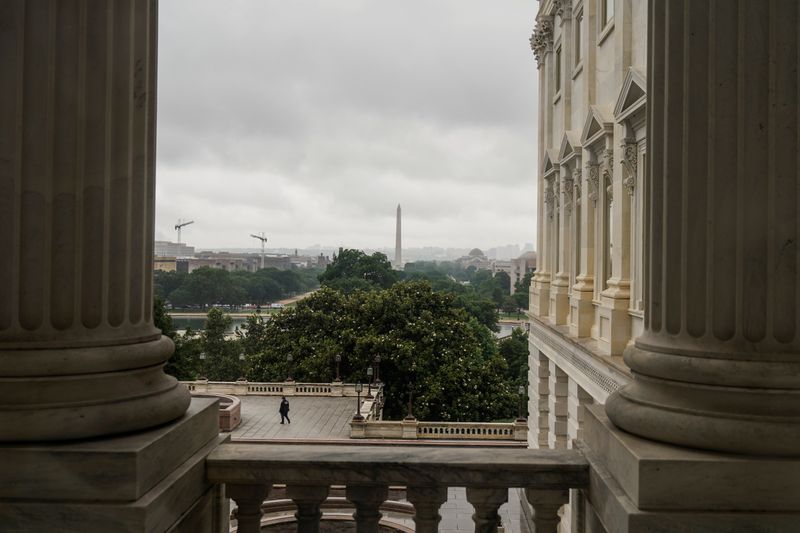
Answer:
(285, 388)
(250, 470)
(415, 429)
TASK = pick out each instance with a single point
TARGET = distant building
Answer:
(522, 265)
(235, 262)
(165, 264)
(172, 249)
(475, 258)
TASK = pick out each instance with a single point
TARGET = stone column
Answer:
(576, 400)
(559, 289)
(583, 290)
(718, 365)
(538, 403)
(79, 355)
(558, 407)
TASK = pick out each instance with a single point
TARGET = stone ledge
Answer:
(608, 504)
(184, 500)
(121, 468)
(658, 476)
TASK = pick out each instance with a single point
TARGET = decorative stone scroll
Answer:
(593, 181)
(576, 181)
(608, 174)
(630, 157)
(542, 38)
(563, 9)
(549, 198)
(567, 189)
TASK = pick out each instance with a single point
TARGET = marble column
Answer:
(581, 305)
(718, 365)
(557, 408)
(79, 354)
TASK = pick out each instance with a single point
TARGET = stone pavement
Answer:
(313, 417)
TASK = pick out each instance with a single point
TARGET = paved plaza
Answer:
(313, 417)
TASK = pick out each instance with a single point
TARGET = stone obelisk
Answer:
(398, 247)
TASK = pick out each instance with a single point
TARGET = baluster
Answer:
(248, 501)
(367, 500)
(307, 498)
(486, 503)
(426, 502)
(546, 504)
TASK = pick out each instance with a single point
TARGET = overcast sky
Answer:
(311, 120)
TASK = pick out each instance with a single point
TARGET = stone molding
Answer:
(630, 160)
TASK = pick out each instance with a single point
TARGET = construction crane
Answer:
(263, 242)
(180, 225)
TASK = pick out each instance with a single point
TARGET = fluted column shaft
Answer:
(718, 366)
(79, 355)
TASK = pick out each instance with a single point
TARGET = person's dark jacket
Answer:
(284, 409)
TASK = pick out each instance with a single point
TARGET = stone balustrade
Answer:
(415, 429)
(249, 471)
(285, 388)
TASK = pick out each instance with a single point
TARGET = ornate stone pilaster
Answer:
(593, 181)
(577, 180)
(608, 174)
(563, 9)
(79, 354)
(718, 365)
(630, 158)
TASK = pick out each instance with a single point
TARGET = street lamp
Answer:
(377, 363)
(202, 357)
(521, 393)
(338, 359)
(289, 360)
(241, 367)
(359, 387)
(369, 383)
(410, 415)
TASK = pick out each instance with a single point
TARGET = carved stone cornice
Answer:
(542, 39)
(593, 181)
(630, 158)
(563, 9)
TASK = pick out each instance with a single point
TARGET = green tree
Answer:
(522, 291)
(374, 269)
(428, 345)
(514, 350)
(221, 361)
(504, 280)
(183, 362)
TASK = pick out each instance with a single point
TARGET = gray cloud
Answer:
(312, 119)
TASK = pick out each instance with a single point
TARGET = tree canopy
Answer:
(214, 286)
(428, 345)
(353, 270)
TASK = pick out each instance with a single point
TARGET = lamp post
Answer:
(202, 357)
(369, 384)
(410, 415)
(338, 359)
(289, 360)
(359, 387)
(521, 393)
(377, 364)
(241, 367)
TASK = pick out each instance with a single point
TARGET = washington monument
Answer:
(398, 247)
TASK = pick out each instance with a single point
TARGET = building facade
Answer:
(586, 296)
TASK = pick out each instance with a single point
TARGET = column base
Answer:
(613, 325)
(559, 302)
(581, 313)
(638, 485)
(87, 392)
(148, 481)
(540, 296)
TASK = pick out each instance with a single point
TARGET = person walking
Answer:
(284, 410)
